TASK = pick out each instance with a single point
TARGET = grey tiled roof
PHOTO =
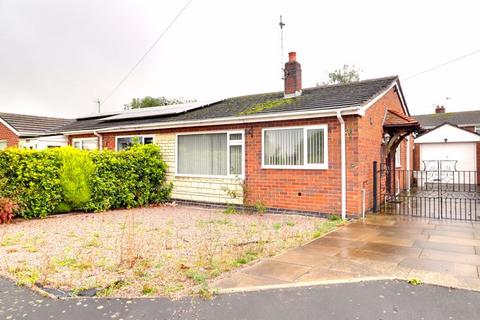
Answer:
(457, 118)
(317, 98)
(33, 125)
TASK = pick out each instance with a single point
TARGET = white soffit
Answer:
(160, 111)
(448, 133)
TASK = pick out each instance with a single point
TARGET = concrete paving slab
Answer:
(458, 269)
(455, 240)
(473, 259)
(454, 234)
(444, 246)
(311, 260)
(278, 270)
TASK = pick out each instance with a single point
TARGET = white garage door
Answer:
(465, 155)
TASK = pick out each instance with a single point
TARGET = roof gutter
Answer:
(357, 110)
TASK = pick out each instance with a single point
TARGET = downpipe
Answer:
(343, 164)
(100, 139)
(363, 202)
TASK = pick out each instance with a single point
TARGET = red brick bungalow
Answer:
(281, 150)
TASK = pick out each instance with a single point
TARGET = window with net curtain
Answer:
(295, 147)
(210, 154)
(86, 144)
(127, 142)
(3, 145)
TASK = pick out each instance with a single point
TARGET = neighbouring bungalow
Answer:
(33, 132)
(298, 150)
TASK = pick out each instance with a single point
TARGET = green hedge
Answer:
(67, 179)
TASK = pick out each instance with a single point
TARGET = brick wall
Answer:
(369, 142)
(8, 135)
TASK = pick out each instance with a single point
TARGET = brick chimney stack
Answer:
(293, 76)
(440, 109)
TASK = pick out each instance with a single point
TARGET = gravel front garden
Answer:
(161, 251)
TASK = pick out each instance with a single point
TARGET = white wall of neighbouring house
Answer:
(195, 188)
(42, 143)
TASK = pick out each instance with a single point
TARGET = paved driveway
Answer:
(380, 247)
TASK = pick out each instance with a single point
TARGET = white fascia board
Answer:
(384, 92)
(9, 127)
(229, 120)
(459, 125)
(447, 133)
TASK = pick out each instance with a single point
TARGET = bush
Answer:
(32, 179)
(129, 178)
(7, 209)
(75, 175)
(66, 179)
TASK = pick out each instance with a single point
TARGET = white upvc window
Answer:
(398, 156)
(125, 142)
(211, 154)
(295, 147)
(3, 144)
(85, 143)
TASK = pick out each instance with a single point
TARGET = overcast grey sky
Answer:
(57, 57)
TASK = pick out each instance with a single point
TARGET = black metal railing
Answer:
(439, 192)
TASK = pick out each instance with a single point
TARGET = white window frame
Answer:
(84, 139)
(6, 144)
(309, 166)
(229, 143)
(141, 136)
(398, 156)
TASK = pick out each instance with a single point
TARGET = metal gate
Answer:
(439, 191)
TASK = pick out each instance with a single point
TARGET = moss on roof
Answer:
(267, 105)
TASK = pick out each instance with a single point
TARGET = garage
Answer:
(448, 148)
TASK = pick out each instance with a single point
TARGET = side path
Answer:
(367, 300)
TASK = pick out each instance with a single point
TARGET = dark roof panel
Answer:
(33, 124)
(317, 98)
(456, 118)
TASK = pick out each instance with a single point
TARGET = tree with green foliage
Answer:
(346, 74)
(147, 102)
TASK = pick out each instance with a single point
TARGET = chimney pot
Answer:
(292, 56)
(440, 109)
(293, 76)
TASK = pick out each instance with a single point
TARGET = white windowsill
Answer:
(316, 167)
(181, 175)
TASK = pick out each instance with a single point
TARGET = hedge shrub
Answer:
(66, 179)
(32, 179)
(129, 178)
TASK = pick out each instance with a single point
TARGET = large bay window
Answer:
(85, 143)
(295, 148)
(210, 154)
(126, 142)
